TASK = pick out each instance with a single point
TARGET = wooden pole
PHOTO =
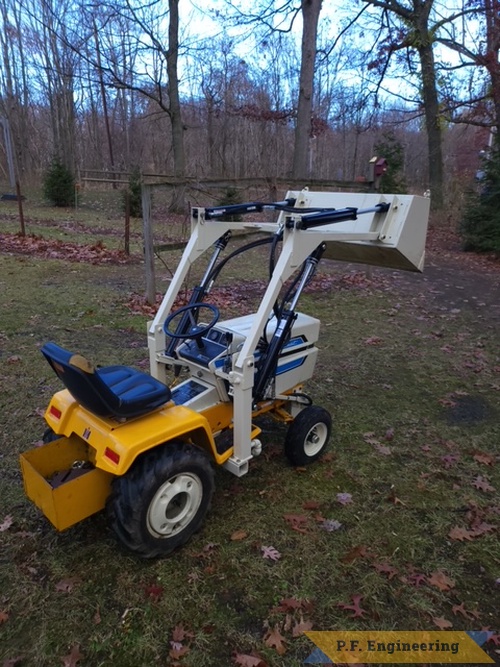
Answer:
(149, 257)
(20, 207)
(127, 221)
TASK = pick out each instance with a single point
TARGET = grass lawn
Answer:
(396, 527)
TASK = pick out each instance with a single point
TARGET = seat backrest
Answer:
(80, 379)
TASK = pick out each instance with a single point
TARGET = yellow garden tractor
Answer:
(144, 446)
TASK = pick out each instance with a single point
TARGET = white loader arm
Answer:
(376, 229)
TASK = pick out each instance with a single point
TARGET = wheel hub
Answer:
(315, 439)
(174, 505)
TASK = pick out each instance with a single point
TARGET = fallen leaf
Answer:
(154, 592)
(301, 626)
(344, 498)
(287, 625)
(416, 579)
(356, 552)
(73, 658)
(6, 523)
(270, 553)
(386, 568)
(178, 651)
(311, 505)
(4, 616)
(440, 580)
(13, 662)
(483, 528)
(389, 434)
(245, 660)
(447, 402)
(483, 457)
(297, 522)
(461, 534)
(274, 639)
(392, 498)
(373, 340)
(288, 604)
(67, 585)
(239, 535)
(382, 449)
(449, 460)
(179, 633)
(355, 607)
(460, 609)
(331, 525)
(442, 623)
(13, 359)
(97, 617)
(482, 484)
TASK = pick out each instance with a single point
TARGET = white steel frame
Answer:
(388, 229)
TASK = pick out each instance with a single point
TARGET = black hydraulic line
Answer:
(215, 212)
(288, 206)
(249, 246)
(325, 217)
(268, 362)
(197, 295)
(276, 238)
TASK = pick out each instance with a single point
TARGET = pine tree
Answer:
(480, 225)
(393, 181)
(59, 184)
(134, 192)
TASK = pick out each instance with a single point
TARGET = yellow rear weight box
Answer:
(56, 479)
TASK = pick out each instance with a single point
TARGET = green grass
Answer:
(222, 591)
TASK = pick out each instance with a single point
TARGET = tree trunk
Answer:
(303, 127)
(173, 90)
(432, 124)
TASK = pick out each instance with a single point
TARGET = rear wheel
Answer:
(162, 500)
(308, 435)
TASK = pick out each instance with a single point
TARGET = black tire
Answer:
(162, 500)
(49, 436)
(307, 436)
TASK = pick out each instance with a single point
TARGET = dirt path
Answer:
(454, 280)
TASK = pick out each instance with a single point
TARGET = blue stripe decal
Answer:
(290, 365)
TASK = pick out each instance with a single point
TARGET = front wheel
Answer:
(308, 435)
(162, 500)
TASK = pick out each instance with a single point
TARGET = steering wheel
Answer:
(185, 322)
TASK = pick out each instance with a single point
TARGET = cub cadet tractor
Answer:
(126, 441)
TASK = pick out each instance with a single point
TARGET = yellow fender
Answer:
(114, 446)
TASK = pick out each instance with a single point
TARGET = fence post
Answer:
(149, 257)
(127, 221)
(20, 208)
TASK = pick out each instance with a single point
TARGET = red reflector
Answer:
(55, 412)
(111, 455)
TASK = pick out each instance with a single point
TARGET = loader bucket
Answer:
(401, 231)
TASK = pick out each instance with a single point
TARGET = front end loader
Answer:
(143, 446)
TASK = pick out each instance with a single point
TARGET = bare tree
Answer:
(271, 19)
(414, 31)
(303, 128)
(482, 53)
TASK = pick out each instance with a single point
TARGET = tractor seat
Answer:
(113, 391)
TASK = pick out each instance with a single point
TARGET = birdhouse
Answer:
(377, 167)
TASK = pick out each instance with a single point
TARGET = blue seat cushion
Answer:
(112, 391)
